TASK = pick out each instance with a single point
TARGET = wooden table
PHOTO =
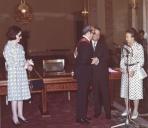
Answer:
(54, 84)
(68, 83)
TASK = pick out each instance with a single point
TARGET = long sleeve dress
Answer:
(18, 86)
(135, 62)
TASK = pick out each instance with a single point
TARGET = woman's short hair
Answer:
(141, 32)
(12, 32)
(133, 33)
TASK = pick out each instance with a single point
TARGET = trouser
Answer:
(82, 99)
(101, 97)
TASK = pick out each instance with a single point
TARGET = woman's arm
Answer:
(139, 58)
(10, 56)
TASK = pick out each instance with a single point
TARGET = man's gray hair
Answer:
(87, 29)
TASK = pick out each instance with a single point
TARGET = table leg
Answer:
(44, 105)
(69, 97)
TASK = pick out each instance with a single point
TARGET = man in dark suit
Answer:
(83, 73)
(100, 75)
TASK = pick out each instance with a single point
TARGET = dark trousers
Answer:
(82, 99)
(101, 96)
(83, 76)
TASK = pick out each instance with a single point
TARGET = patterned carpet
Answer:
(62, 114)
(123, 121)
(140, 122)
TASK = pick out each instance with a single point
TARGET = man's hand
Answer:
(95, 61)
(75, 53)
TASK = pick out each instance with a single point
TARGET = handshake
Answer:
(95, 60)
(29, 65)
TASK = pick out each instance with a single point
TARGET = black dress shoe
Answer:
(24, 121)
(82, 121)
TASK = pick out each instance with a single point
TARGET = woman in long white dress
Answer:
(16, 65)
(135, 62)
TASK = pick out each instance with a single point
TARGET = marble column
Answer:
(145, 15)
(145, 21)
(134, 14)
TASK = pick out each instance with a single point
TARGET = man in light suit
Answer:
(100, 75)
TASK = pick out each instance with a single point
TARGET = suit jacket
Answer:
(83, 68)
(101, 52)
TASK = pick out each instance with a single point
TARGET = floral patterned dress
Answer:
(18, 86)
(135, 62)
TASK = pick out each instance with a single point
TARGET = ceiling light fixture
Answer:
(23, 12)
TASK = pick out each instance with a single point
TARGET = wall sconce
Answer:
(85, 11)
(133, 4)
(23, 12)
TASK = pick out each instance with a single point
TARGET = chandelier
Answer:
(23, 12)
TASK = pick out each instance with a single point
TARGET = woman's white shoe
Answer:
(134, 116)
(125, 112)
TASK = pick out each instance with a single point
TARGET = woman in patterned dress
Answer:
(135, 61)
(16, 65)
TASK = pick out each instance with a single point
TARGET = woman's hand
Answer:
(30, 68)
(29, 65)
(123, 71)
(131, 73)
(30, 62)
